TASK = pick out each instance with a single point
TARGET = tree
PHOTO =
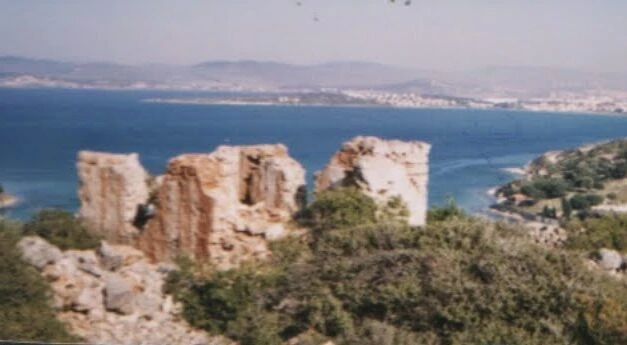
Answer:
(546, 212)
(579, 202)
(567, 210)
(1, 189)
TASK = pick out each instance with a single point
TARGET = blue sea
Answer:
(42, 130)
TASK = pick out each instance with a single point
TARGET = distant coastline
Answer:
(357, 99)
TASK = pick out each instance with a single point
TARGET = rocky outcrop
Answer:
(7, 200)
(221, 207)
(610, 260)
(226, 205)
(384, 170)
(105, 306)
(111, 187)
(38, 252)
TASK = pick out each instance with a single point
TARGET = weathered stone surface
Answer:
(610, 259)
(37, 252)
(86, 261)
(112, 257)
(382, 169)
(111, 187)
(90, 303)
(224, 206)
(119, 295)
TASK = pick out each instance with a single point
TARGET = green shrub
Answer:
(619, 171)
(579, 202)
(448, 211)
(549, 212)
(1, 189)
(594, 199)
(533, 192)
(567, 210)
(551, 187)
(337, 208)
(26, 312)
(457, 281)
(584, 202)
(62, 229)
(596, 233)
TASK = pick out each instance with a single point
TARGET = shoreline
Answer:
(7, 200)
(275, 92)
(516, 171)
(374, 105)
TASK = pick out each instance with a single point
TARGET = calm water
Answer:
(42, 130)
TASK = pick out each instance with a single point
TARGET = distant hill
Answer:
(496, 81)
(248, 74)
(513, 81)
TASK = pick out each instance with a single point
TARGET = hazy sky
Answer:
(430, 34)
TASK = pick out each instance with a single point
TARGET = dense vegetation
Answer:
(25, 307)
(361, 279)
(595, 233)
(583, 177)
(26, 312)
(62, 229)
(364, 277)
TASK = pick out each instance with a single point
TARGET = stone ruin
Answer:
(382, 169)
(224, 207)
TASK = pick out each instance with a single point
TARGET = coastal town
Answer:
(616, 104)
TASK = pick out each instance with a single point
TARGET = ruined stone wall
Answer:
(382, 169)
(225, 206)
(221, 207)
(111, 186)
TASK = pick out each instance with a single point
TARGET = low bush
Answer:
(26, 312)
(62, 229)
(458, 280)
(448, 211)
(337, 208)
(598, 232)
(584, 202)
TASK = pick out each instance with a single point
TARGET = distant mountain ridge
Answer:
(506, 81)
(246, 73)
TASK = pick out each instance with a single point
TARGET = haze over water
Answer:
(42, 131)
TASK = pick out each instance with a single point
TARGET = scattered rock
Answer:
(610, 259)
(37, 252)
(118, 295)
(384, 170)
(86, 260)
(113, 257)
(115, 296)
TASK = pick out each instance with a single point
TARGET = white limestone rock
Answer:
(38, 252)
(609, 259)
(383, 170)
